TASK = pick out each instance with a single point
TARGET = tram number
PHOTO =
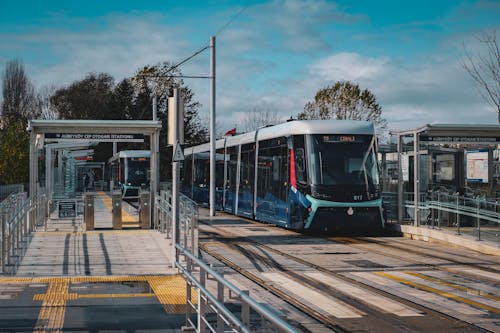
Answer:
(357, 197)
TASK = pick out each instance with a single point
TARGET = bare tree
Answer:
(19, 99)
(45, 107)
(345, 100)
(258, 117)
(485, 70)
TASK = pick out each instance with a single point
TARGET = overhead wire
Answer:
(228, 23)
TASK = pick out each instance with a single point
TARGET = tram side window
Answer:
(186, 179)
(247, 174)
(231, 162)
(219, 169)
(201, 170)
(272, 179)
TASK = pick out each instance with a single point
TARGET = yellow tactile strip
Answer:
(170, 291)
(51, 316)
(126, 217)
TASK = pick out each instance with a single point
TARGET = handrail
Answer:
(19, 214)
(238, 325)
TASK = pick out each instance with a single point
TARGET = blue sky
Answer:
(275, 55)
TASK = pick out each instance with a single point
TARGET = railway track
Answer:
(274, 265)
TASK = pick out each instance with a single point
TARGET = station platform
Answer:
(71, 279)
(450, 236)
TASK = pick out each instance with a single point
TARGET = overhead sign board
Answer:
(94, 137)
(460, 139)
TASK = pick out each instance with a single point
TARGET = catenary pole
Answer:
(212, 126)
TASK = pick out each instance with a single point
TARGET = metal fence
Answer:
(19, 215)
(210, 313)
(206, 311)
(188, 219)
(6, 190)
(475, 216)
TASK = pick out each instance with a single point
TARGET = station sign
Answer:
(66, 209)
(94, 137)
(460, 139)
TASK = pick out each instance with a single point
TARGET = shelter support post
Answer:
(400, 180)
(416, 178)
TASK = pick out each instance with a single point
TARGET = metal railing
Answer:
(208, 313)
(6, 190)
(477, 216)
(18, 217)
(251, 317)
(188, 219)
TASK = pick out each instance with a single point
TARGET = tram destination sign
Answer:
(94, 137)
(460, 139)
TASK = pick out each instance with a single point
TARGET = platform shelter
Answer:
(450, 170)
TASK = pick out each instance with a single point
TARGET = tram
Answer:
(303, 174)
(130, 170)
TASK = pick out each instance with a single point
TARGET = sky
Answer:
(270, 55)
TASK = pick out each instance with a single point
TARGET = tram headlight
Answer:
(350, 211)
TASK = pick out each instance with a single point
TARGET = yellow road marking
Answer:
(106, 199)
(472, 291)
(439, 292)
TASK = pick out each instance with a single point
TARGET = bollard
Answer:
(144, 210)
(88, 211)
(117, 210)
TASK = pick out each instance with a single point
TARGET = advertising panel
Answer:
(477, 166)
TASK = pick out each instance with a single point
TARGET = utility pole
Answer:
(212, 126)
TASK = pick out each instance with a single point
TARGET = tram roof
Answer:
(295, 127)
(318, 126)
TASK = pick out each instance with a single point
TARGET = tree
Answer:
(44, 105)
(259, 117)
(19, 100)
(89, 98)
(485, 70)
(345, 100)
(14, 149)
(161, 81)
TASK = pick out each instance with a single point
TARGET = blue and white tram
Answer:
(302, 174)
(130, 170)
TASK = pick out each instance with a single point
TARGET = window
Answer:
(247, 174)
(273, 172)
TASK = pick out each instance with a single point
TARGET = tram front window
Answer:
(344, 160)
